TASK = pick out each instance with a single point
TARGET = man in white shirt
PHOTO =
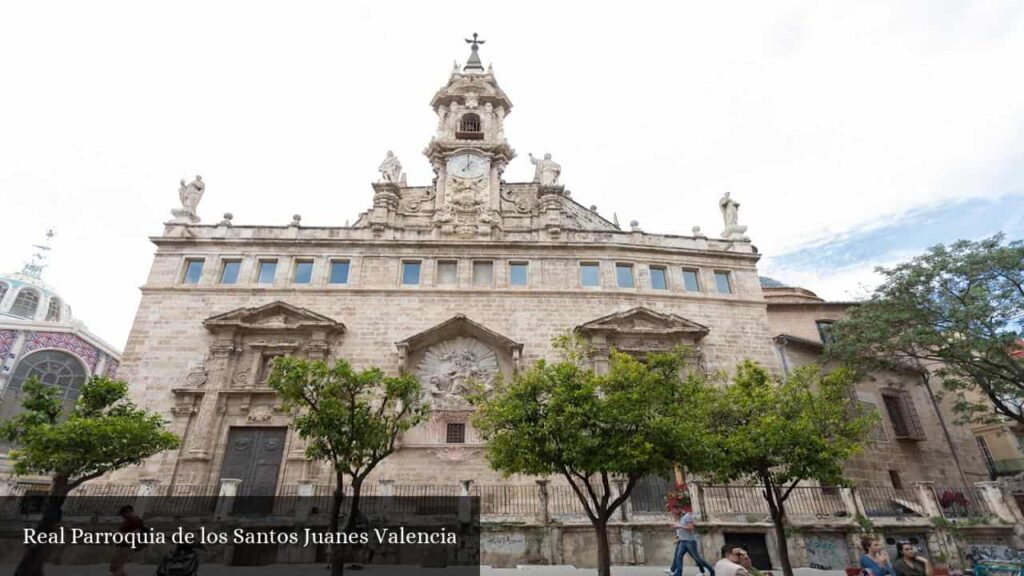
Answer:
(729, 565)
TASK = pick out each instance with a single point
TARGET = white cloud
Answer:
(819, 118)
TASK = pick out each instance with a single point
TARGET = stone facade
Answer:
(470, 276)
(938, 450)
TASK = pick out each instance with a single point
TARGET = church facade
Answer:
(465, 278)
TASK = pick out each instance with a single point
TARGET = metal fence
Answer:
(816, 501)
(961, 502)
(887, 501)
(955, 502)
(734, 500)
(508, 500)
(563, 501)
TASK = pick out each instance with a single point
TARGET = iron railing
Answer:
(886, 501)
(961, 502)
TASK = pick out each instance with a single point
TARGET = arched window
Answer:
(470, 127)
(3, 291)
(53, 310)
(469, 123)
(26, 303)
(52, 368)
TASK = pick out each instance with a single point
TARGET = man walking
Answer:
(686, 542)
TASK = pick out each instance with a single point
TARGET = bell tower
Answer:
(469, 152)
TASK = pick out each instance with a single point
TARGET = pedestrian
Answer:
(909, 563)
(874, 559)
(686, 543)
(130, 523)
(747, 563)
(730, 565)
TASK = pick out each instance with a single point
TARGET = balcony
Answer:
(1008, 467)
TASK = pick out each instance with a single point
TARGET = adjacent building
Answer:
(40, 338)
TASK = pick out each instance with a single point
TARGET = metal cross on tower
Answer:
(474, 62)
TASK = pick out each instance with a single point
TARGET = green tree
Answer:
(779, 434)
(104, 431)
(350, 419)
(956, 311)
(595, 430)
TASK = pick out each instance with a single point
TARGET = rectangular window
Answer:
(825, 331)
(690, 283)
(268, 271)
(894, 477)
(411, 273)
(193, 270)
(624, 275)
(303, 272)
(339, 272)
(902, 414)
(518, 273)
(658, 278)
(877, 431)
(990, 463)
(483, 273)
(456, 433)
(447, 272)
(229, 272)
(590, 274)
(722, 282)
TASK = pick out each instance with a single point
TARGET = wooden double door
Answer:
(254, 455)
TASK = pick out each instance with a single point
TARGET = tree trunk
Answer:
(337, 558)
(778, 512)
(353, 518)
(604, 558)
(35, 555)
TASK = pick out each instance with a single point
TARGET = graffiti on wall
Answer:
(994, 553)
(826, 552)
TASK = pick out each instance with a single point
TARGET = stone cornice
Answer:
(627, 297)
(420, 244)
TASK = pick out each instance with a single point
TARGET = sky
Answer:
(853, 134)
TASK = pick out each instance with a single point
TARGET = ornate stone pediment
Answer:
(641, 321)
(275, 316)
(454, 357)
(454, 327)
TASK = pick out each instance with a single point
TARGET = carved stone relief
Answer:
(454, 454)
(449, 368)
(260, 413)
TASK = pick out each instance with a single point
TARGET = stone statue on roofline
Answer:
(189, 195)
(390, 169)
(547, 171)
(730, 215)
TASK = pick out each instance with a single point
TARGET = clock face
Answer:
(468, 166)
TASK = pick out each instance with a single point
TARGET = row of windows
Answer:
(26, 304)
(266, 271)
(447, 274)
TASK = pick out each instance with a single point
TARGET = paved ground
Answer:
(319, 570)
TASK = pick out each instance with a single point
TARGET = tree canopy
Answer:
(104, 431)
(780, 433)
(957, 311)
(348, 418)
(601, 432)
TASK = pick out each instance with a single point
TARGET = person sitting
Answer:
(874, 559)
(730, 565)
(910, 564)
